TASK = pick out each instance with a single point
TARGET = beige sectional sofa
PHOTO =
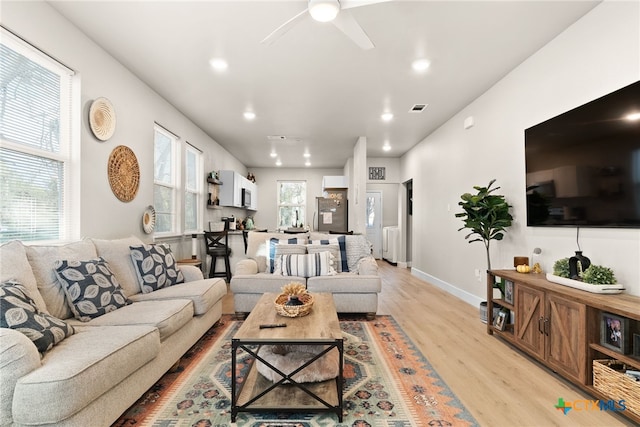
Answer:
(354, 291)
(92, 376)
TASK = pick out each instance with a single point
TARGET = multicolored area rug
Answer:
(388, 382)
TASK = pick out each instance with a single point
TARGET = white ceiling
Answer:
(314, 85)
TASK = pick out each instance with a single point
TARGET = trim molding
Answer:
(465, 296)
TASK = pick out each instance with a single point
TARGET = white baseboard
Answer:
(465, 296)
(402, 264)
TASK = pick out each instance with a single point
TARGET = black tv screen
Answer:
(583, 166)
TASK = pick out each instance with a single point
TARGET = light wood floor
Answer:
(497, 384)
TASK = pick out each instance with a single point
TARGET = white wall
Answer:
(358, 174)
(597, 55)
(137, 108)
(389, 187)
(267, 182)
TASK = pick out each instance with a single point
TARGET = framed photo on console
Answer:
(614, 332)
(508, 292)
(500, 321)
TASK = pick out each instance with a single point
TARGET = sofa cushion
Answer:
(341, 261)
(80, 369)
(118, 254)
(91, 288)
(42, 258)
(166, 315)
(18, 311)
(203, 293)
(261, 283)
(14, 266)
(156, 267)
(274, 242)
(307, 265)
(344, 283)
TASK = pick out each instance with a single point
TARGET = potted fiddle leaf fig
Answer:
(486, 215)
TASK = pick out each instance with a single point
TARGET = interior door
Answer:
(374, 221)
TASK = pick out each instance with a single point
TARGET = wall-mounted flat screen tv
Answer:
(583, 166)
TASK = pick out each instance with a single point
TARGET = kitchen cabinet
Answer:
(232, 188)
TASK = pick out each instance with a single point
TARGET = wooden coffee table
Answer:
(252, 392)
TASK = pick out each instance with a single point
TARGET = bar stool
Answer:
(217, 245)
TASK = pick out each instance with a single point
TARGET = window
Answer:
(38, 96)
(292, 201)
(165, 182)
(193, 204)
(172, 199)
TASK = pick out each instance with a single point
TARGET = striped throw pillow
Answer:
(271, 245)
(308, 265)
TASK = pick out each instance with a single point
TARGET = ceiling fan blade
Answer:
(282, 29)
(348, 4)
(348, 25)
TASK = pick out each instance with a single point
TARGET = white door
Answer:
(374, 221)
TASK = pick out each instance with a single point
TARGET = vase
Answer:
(577, 264)
(294, 300)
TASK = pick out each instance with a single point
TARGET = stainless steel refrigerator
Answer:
(332, 214)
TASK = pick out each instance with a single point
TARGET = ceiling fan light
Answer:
(324, 10)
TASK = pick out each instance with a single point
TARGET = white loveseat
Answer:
(91, 377)
(355, 291)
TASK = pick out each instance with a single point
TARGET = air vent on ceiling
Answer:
(276, 137)
(418, 108)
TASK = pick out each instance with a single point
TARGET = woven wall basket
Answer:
(124, 173)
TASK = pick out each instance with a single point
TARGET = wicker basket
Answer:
(293, 310)
(616, 384)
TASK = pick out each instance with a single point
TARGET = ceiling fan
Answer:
(333, 11)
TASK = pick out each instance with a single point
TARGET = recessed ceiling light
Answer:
(219, 64)
(386, 147)
(273, 154)
(420, 65)
(307, 163)
(307, 155)
(249, 115)
(633, 116)
(387, 116)
(278, 162)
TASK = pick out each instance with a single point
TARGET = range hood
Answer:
(334, 182)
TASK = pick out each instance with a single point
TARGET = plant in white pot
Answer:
(487, 217)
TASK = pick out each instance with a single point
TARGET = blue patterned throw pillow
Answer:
(343, 266)
(19, 312)
(156, 267)
(91, 288)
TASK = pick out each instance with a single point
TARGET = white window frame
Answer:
(69, 138)
(302, 206)
(197, 190)
(173, 184)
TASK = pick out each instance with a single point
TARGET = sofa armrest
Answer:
(191, 273)
(367, 266)
(18, 357)
(246, 267)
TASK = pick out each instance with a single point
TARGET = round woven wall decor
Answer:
(102, 119)
(124, 173)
